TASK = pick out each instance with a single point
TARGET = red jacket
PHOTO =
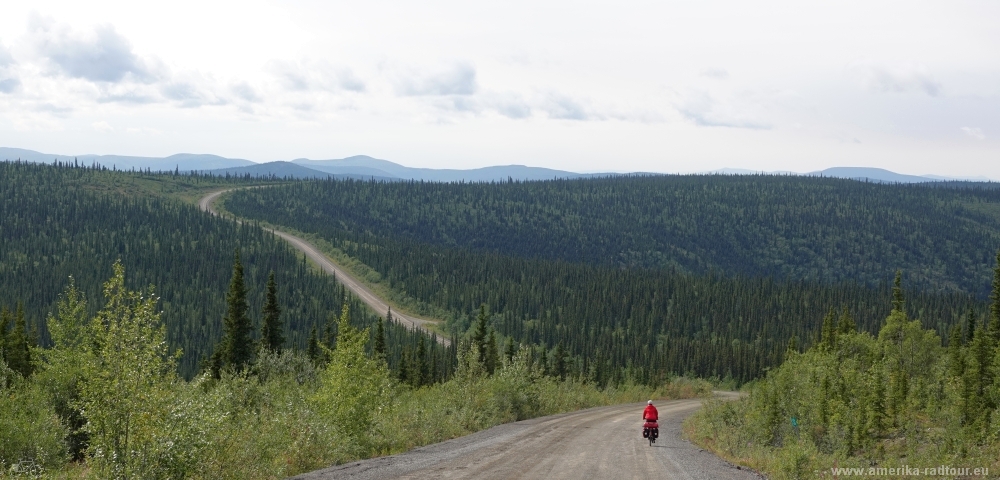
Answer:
(650, 413)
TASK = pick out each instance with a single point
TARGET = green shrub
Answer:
(32, 433)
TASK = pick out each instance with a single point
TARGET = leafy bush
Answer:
(32, 433)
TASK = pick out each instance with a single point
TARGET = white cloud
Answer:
(716, 73)
(974, 132)
(102, 126)
(883, 79)
(9, 82)
(566, 108)
(308, 75)
(704, 110)
(100, 55)
(459, 79)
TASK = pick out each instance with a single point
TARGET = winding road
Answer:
(346, 279)
(597, 443)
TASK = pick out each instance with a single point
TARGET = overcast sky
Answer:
(660, 86)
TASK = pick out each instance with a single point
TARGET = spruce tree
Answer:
(970, 326)
(312, 348)
(379, 348)
(330, 331)
(543, 362)
(956, 360)
(272, 331)
(479, 336)
(510, 350)
(238, 344)
(847, 324)
(828, 335)
(421, 372)
(559, 362)
(19, 345)
(898, 301)
(404, 368)
(492, 357)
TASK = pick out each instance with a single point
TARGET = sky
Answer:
(657, 86)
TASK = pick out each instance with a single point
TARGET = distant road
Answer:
(597, 443)
(345, 279)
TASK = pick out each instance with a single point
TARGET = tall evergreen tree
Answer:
(970, 326)
(956, 359)
(19, 345)
(379, 348)
(404, 375)
(543, 362)
(898, 301)
(312, 347)
(828, 338)
(492, 357)
(237, 342)
(559, 362)
(272, 330)
(479, 335)
(421, 372)
(847, 324)
(510, 350)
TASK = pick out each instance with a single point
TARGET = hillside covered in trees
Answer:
(445, 249)
(796, 228)
(62, 222)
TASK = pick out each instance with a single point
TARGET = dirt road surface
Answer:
(598, 443)
(349, 282)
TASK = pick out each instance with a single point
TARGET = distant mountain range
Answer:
(365, 167)
(864, 174)
(182, 161)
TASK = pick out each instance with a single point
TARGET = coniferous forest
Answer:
(649, 276)
(66, 221)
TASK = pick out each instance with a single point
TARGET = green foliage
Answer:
(354, 389)
(30, 430)
(127, 396)
(64, 366)
(272, 331)
(896, 399)
(18, 343)
(237, 343)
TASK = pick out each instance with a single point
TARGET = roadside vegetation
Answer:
(895, 399)
(104, 400)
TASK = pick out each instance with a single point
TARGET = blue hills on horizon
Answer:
(369, 168)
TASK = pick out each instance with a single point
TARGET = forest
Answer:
(785, 227)
(614, 320)
(70, 221)
(864, 403)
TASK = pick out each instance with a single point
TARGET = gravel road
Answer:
(351, 283)
(598, 443)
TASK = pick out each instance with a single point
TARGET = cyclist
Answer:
(650, 413)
